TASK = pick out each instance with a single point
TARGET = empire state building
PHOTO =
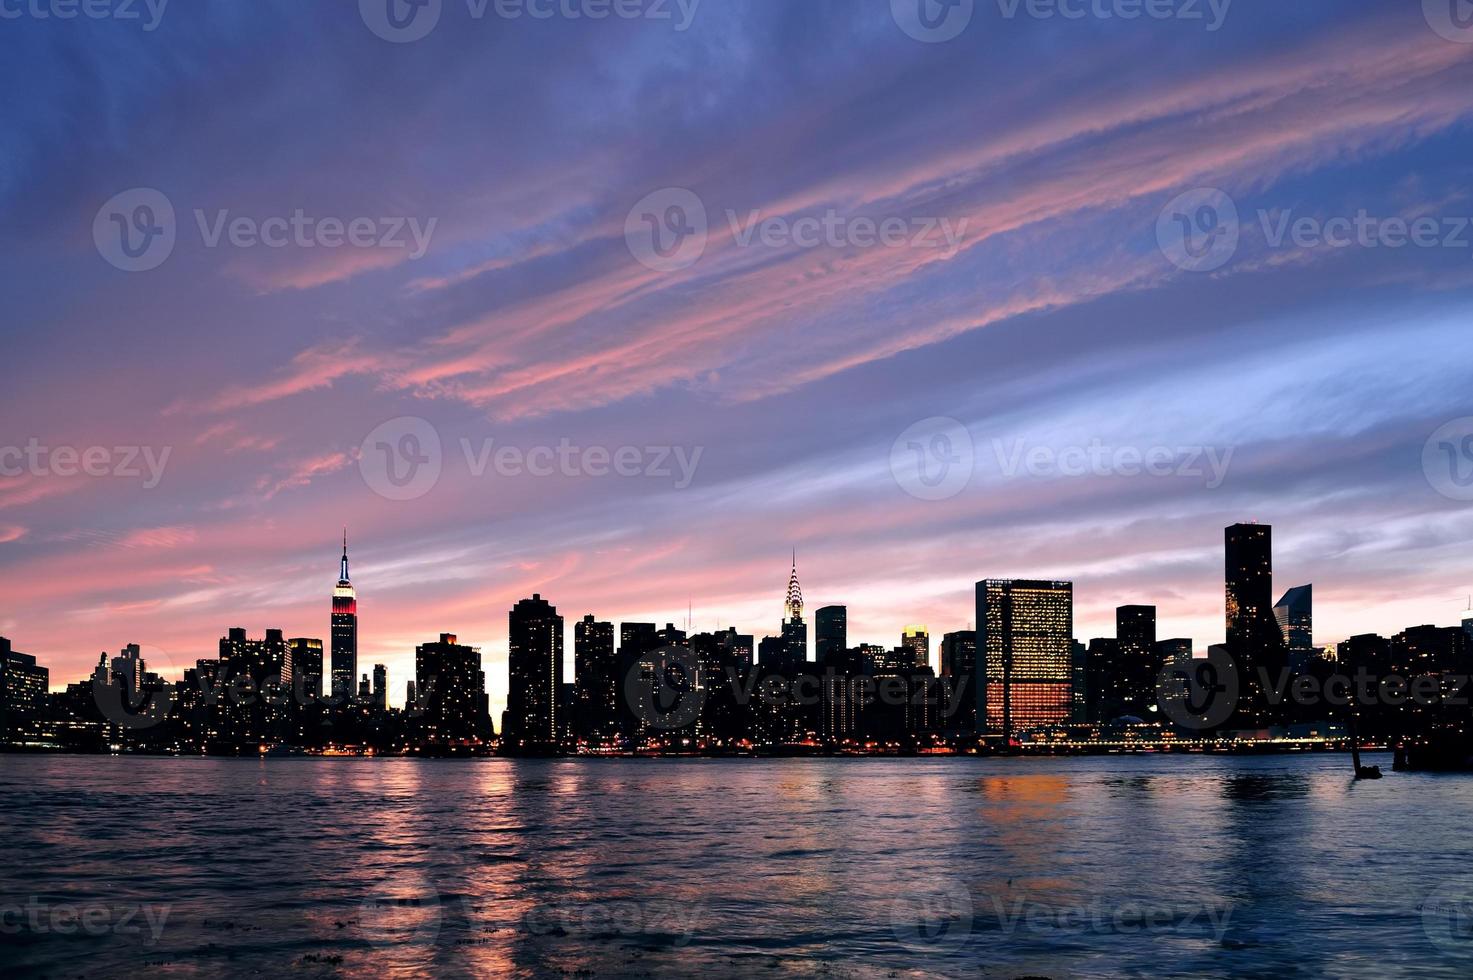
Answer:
(344, 632)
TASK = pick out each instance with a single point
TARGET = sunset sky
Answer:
(1054, 319)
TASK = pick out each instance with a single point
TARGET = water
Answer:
(1149, 866)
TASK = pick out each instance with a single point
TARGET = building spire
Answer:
(343, 572)
(794, 603)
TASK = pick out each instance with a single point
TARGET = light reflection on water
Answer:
(1118, 866)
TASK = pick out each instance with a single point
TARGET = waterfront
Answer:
(1106, 866)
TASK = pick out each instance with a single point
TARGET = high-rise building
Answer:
(344, 631)
(1295, 616)
(1101, 703)
(1079, 683)
(596, 684)
(129, 667)
(736, 648)
(258, 674)
(306, 668)
(635, 640)
(917, 639)
(23, 695)
(1177, 650)
(450, 695)
(1025, 635)
(1133, 685)
(830, 632)
(795, 631)
(959, 666)
(1249, 578)
(1254, 639)
(380, 687)
(535, 668)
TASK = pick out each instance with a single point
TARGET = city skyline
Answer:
(254, 376)
(395, 672)
(988, 482)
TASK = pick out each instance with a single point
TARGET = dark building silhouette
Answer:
(23, 696)
(449, 696)
(535, 669)
(635, 641)
(596, 682)
(1254, 639)
(1133, 684)
(1100, 660)
(380, 687)
(726, 664)
(1079, 679)
(959, 667)
(344, 636)
(1249, 580)
(1176, 650)
(128, 668)
(1025, 635)
(830, 632)
(917, 639)
(257, 675)
(306, 667)
(772, 653)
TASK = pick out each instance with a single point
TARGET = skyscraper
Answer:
(450, 695)
(1134, 685)
(1295, 616)
(830, 632)
(1101, 657)
(260, 670)
(959, 665)
(1254, 639)
(795, 631)
(596, 681)
(306, 657)
(344, 631)
(535, 669)
(1249, 580)
(128, 667)
(917, 639)
(380, 686)
(23, 687)
(1177, 650)
(1025, 636)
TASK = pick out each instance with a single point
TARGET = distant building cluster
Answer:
(1019, 679)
